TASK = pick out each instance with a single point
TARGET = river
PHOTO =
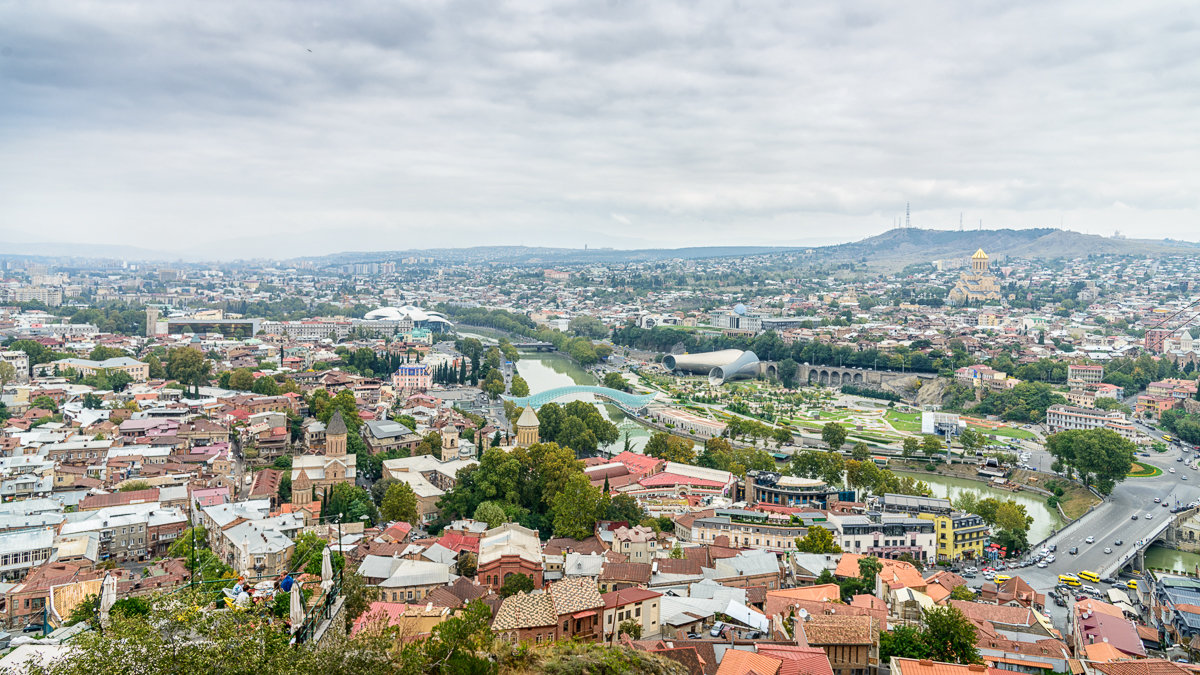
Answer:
(1045, 519)
(544, 371)
(1159, 557)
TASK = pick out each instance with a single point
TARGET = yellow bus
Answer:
(1001, 578)
(1089, 576)
(1167, 438)
(1068, 580)
(1132, 584)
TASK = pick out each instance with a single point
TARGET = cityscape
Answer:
(599, 338)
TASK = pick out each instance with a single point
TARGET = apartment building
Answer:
(1060, 417)
(1085, 373)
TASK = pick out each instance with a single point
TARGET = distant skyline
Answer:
(272, 129)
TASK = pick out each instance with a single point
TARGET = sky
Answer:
(273, 129)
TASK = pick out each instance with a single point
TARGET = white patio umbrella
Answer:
(108, 597)
(326, 569)
(297, 607)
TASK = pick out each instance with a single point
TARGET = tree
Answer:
(826, 466)
(266, 386)
(587, 326)
(493, 384)
(400, 503)
(187, 365)
(133, 486)
(860, 452)
(834, 435)
(630, 627)
(787, 369)
(490, 513)
(157, 372)
(350, 502)
(931, 445)
(575, 508)
(676, 552)
(961, 592)
(616, 381)
(719, 454)
(8, 373)
(971, 440)
(950, 636)
(378, 489)
(466, 565)
(1100, 454)
(668, 447)
(911, 445)
(241, 379)
(92, 401)
(306, 554)
(516, 583)
(45, 403)
(905, 641)
(519, 387)
(817, 540)
(86, 610)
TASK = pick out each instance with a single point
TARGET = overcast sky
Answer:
(263, 128)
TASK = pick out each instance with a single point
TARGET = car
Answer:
(1043, 564)
(1183, 477)
(1050, 558)
(1053, 548)
(1165, 505)
(1107, 549)
(716, 629)
(1118, 542)
(1172, 470)
(693, 636)
(1044, 550)
(1074, 550)
(1090, 540)
(1149, 516)
(1133, 517)
(968, 575)
(1157, 500)
(1178, 459)
(33, 628)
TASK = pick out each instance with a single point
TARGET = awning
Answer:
(584, 614)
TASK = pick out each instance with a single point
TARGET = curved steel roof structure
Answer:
(621, 398)
(742, 367)
(702, 362)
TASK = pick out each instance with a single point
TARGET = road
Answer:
(1112, 520)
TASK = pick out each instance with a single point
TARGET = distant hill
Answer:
(908, 245)
(543, 256)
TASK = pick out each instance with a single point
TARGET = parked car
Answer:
(33, 628)
(1053, 548)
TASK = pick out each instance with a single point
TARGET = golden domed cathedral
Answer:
(978, 285)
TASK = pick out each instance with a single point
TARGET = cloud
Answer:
(283, 128)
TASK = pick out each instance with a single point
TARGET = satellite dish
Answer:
(804, 614)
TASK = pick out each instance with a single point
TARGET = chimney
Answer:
(925, 663)
(977, 668)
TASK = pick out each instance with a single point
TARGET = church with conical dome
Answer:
(977, 286)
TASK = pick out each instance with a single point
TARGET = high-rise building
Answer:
(151, 322)
(1156, 339)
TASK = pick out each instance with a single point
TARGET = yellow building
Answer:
(960, 536)
(978, 285)
(527, 428)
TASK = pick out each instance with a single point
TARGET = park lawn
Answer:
(1143, 471)
(1076, 501)
(910, 422)
(1009, 432)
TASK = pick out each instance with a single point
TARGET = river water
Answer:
(544, 371)
(1045, 519)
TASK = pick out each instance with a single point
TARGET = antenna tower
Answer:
(907, 221)
(960, 221)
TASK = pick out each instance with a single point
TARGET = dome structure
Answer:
(979, 255)
(420, 318)
(740, 309)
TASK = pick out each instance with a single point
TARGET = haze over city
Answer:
(279, 129)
